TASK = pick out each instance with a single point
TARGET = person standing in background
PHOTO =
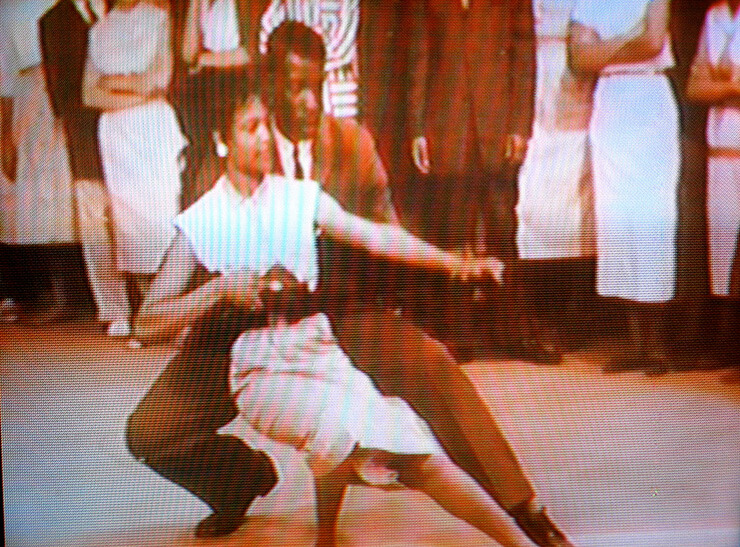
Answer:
(64, 38)
(35, 159)
(554, 185)
(555, 207)
(634, 134)
(715, 80)
(220, 39)
(470, 107)
(127, 76)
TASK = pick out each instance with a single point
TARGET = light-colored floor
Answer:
(620, 460)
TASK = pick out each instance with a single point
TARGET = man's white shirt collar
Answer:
(285, 151)
(86, 10)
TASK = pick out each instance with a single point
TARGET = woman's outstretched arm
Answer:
(394, 242)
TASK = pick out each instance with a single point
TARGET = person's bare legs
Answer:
(330, 491)
(456, 492)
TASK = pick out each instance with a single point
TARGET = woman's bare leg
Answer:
(454, 490)
(330, 490)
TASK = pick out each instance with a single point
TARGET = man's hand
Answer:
(515, 149)
(9, 157)
(241, 289)
(420, 154)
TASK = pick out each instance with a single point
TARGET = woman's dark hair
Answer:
(242, 89)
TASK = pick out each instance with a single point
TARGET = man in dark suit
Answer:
(173, 430)
(470, 108)
(64, 36)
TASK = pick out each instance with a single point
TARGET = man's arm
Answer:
(374, 181)
(53, 54)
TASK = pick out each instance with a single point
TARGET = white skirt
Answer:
(723, 219)
(43, 187)
(554, 196)
(295, 385)
(140, 150)
(636, 161)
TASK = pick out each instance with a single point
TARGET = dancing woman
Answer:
(291, 380)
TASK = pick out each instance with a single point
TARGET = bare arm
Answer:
(394, 242)
(96, 96)
(191, 37)
(224, 59)
(707, 83)
(7, 142)
(589, 53)
(168, 308)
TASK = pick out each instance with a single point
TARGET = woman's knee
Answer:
(419, 471)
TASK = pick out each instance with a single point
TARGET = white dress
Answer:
(139, 146)
(636, 161)
(42, 194)
(720, 44)
(294, 384)
(554, 208)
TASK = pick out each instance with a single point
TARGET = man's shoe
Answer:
(220, 523)
(538, 526)
(225, 521)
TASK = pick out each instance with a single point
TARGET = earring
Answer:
(221, 149)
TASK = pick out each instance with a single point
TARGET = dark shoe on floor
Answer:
(226, 521)
(538, 526)
(219, 523)
(632, 361)
(534, 351)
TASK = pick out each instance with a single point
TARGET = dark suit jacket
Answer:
(64, 35)
(347, 165)
(349, 169)
(479, 63)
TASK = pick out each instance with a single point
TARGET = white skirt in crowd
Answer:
(636, 160)
(140, 149)
(38, 207)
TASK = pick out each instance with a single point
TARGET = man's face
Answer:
(298, 97)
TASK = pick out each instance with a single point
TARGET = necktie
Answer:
(298, 168)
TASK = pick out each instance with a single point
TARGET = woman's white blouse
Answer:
(276, 225)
